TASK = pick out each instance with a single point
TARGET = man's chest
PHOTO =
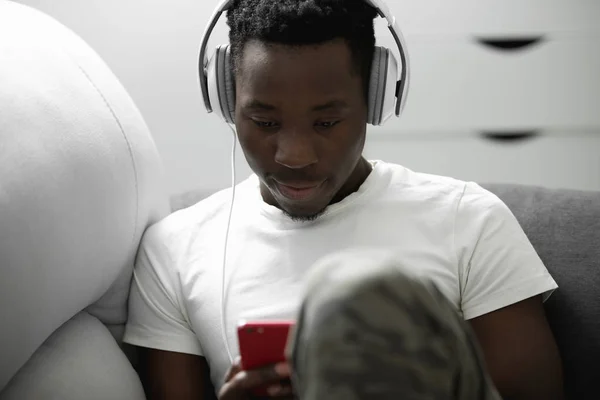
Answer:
(262, 275)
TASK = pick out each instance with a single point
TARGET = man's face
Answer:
(301, 121)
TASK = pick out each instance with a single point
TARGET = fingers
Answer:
(284, 370)
(281, 390)
(241, 383)
(262, 376)
(234, 369)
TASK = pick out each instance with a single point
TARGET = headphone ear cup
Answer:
(221, 86)
(382, 87)
(390, 87)
(212, 80)
(229, 88)
(225, 84)
(377, 85)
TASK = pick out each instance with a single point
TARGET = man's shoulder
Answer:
(435, 189)
(406, 181)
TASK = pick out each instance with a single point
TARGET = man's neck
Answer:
(360, 174)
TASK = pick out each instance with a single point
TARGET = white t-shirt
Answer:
(460, 235)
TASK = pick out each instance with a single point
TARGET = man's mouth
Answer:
(299, 191)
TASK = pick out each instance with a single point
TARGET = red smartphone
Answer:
(263, 343)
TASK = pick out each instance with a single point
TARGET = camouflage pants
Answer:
(367, 330)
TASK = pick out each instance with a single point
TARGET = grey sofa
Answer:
(564, 227)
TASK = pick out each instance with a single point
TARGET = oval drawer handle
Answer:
(510, 136)
(510, 44)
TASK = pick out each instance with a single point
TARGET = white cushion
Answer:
(81, 360)
(80, 180)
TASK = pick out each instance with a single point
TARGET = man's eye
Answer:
(327, 124)
(265, 124)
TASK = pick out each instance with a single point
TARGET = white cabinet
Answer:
(552, 160)
(508, 69)
(463, 84)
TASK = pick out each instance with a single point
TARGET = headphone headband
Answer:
(379, 5)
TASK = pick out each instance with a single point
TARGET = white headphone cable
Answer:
(223, 275)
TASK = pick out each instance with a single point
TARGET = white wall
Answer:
(152, 47)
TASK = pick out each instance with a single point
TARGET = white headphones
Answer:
(387, 90)
(387, 96)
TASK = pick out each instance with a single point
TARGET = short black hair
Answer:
(305, 22)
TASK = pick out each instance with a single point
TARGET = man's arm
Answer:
(168, 375)
(520, 351)
(503, 281)
(170, 359)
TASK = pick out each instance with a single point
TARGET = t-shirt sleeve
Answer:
(498, 265)
(157, 318)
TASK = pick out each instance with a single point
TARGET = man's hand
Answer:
(241, 384)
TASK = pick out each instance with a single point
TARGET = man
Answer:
(448, 251)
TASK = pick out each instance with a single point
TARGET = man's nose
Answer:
(295, 149)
